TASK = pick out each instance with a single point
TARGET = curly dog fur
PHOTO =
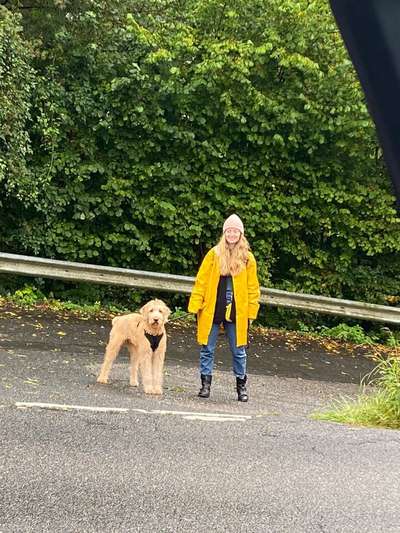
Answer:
(130, 330)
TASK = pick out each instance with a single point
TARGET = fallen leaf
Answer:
(31, 381)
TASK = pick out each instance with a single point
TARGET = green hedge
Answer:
(150, 122)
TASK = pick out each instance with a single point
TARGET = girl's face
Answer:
(232, 235)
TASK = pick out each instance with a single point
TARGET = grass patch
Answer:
(30, 297)
(380, 408)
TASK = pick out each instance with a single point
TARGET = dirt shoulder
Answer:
(270, 352)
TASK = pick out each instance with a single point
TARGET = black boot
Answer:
(205, 386)
(241, 389)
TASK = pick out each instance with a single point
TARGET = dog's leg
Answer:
(112, 350)
(133, 382)
(145, 368)
(157, 371)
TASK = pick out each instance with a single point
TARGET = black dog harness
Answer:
(154, 340)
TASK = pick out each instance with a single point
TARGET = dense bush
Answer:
(153, 121)
(16, 83)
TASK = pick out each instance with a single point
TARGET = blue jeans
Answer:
(239, 356)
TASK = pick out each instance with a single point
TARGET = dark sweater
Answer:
(220, 305)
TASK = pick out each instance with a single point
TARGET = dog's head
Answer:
(155, 313)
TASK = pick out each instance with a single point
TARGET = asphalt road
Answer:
(177, 463)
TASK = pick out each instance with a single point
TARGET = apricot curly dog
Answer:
(145, 336)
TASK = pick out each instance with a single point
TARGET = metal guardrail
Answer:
(78, 272)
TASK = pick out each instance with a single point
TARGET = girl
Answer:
(226, 291)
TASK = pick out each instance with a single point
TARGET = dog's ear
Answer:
(166, 311)
(144, 309)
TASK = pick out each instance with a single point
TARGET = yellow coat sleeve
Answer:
(200, 285)
(253, 288)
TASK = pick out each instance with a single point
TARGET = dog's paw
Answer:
(149, 390)
(153, 390)
(103, 381)
(133, 383)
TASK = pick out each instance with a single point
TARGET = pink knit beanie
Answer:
(233, 222)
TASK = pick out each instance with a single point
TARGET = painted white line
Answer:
(214, 418)
(64, 407)
(196, 413)
(187, 415)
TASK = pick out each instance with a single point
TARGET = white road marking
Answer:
(64, 407)
(187, 415)
(215, 418)
(196, 413)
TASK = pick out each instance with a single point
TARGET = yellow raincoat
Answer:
(246, 291)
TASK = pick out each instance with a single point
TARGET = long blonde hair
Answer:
(232, 261)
